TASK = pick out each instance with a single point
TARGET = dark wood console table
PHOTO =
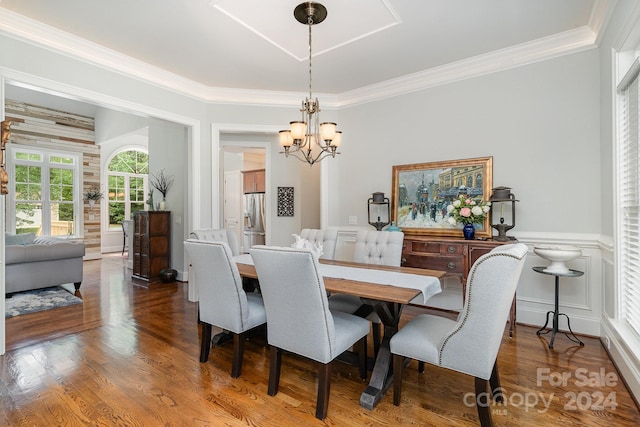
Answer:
(453, 255)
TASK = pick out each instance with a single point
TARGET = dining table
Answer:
(385, 288)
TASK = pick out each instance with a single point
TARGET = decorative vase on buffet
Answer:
(393, 227)
(469, 231)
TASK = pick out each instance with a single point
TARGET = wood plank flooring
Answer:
(128, 356)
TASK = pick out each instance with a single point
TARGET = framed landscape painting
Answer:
(421, 193)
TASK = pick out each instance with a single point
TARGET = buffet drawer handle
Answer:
(451, 249)
(451, 265)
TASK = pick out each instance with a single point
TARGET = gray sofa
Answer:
(47, 261)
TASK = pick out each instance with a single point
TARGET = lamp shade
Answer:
(298, 130)
(327, 131)
(337, 139)
(285, 138)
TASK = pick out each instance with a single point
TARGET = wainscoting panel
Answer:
(581, 298)
(539, 288)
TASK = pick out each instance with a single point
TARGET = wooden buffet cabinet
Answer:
(455, 256)
(151, 244)
(253, 181)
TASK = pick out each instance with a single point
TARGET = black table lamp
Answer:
(379, 210)
(502, 196)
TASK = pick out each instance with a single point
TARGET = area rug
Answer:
(40, 300)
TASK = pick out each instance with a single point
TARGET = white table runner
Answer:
(427, 285)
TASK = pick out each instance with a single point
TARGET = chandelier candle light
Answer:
(308, 133)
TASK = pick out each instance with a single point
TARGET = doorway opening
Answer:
(244, 193)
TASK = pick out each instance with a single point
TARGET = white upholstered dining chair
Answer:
(469, 344)
(223, 302)
(299, 320)
(378, 247)
(371, 247)
(327, 238)
(218, 235)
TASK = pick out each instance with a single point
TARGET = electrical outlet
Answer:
(353, 220)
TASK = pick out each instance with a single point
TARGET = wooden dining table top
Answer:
(374, 291)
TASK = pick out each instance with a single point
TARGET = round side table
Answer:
(556, 312)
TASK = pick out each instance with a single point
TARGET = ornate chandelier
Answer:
(308, 140)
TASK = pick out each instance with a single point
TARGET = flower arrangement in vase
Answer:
(468, 211)
(93, 195)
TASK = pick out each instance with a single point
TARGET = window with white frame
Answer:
(628, 183)
(45, 189)
(128, 183)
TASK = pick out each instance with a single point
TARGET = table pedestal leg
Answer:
(382, 374)
(381, 377)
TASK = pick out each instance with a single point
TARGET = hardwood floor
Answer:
(128, 356)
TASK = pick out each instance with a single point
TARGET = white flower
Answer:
(477, 210)
(457, 203)
(486, 208)
(452, 220)
(449, 208)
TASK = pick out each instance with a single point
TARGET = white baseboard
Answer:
(92, 256)
(579, 324)
(624, 357)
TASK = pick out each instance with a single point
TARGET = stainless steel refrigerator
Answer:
(253, 230)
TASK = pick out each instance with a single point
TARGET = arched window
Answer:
(128, 184)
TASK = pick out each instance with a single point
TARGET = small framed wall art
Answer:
(285, 201)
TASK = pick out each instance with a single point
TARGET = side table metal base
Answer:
(556, 312)
(554, 330)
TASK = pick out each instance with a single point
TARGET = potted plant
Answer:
(468, 211)
(162, 182)
(92, 195)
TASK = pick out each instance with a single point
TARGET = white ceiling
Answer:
(258, 45)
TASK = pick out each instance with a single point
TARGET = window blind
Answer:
(629, 198)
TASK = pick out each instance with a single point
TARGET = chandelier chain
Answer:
(310, 21)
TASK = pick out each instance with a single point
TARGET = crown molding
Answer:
(526, 53)
(600, 15)
(36, 33)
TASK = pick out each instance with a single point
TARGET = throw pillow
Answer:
(19, 239)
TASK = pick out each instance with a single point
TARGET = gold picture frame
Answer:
(422, 191)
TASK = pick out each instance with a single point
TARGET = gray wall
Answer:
(539, 122)
(168, 151)
(113, 124)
